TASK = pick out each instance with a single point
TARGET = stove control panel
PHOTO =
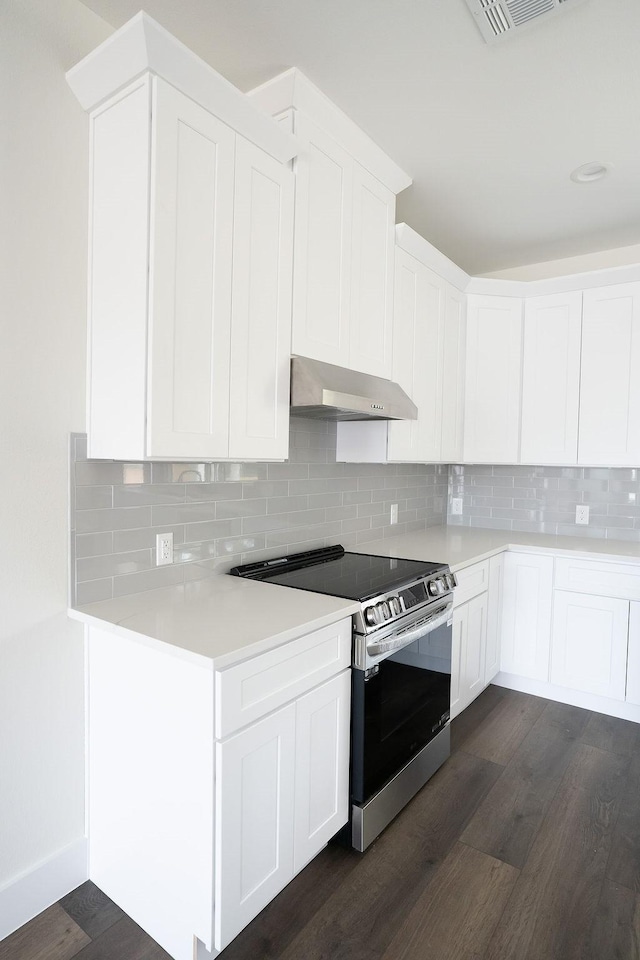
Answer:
(391, 606)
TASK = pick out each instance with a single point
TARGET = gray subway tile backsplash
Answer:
(222, 514)
(534, 499)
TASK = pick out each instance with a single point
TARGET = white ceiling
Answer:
(489, 133)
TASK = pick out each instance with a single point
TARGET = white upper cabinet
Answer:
(492, 399)
(453, 360)
(551, 379)
(373, 242)
(417, 359)
(190, 257)
(610, 377)
(261, 306)
(344, 230)
(192, 175)
(322, 251)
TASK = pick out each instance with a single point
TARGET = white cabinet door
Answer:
(526, 616)
(261, 306)
(458, 643)
(373, 245)
(551, 379)
(609, 430)
(322, 246)
(474, 649)
(322, 766)
(453, 359)
(254, 833)
(190, 279)
(417, 359)
(589, 649)
(468, 653)
(492, 377)
(633, 655)
(494, 617)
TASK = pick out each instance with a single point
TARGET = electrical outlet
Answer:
(582, 514)
(456, 506)
(164, 549)
(394, 513)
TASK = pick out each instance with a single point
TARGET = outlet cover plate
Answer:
(582, 514)
(456, 506)
(164, 549)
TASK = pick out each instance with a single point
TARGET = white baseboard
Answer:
(575, 698)
(32, 892)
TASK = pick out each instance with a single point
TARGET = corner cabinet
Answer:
(190, 283)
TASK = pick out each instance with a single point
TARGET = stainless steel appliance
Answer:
(401, 677)
(323, 391)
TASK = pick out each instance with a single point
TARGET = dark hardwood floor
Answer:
(524, 846)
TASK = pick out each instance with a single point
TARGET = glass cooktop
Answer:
(355, 576)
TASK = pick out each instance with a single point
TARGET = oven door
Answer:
(398, 706)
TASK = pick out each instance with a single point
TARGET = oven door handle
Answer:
(397, 641)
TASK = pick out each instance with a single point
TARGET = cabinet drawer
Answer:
(598, 578)
(471, 581)
(249, 690)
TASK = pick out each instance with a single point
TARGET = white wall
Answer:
(619, 257)
(43, 256)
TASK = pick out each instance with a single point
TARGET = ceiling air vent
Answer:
(496, 18)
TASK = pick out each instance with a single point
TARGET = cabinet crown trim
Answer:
(143, 46)
(292, 90)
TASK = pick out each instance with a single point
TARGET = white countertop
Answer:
(461, 546)
(224, 620)
(218, 621)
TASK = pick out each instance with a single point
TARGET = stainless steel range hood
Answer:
(323, 391)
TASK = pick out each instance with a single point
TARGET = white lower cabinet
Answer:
(526, 615)
(468, 652)
(494, 617)
(210, 789)
(282, 792)
(633, 655)
(255, 786)
(589, 643)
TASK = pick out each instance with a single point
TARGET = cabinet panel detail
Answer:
(190, 280)
(372, 275)
(255, 772)
(261, 306)
(589, 649)
(247, 691)
(322, 766)
(493, 361)
(322, 278)
(526, 622)
(610, 376)
(494, 617)
(633, 655)
(551, 379)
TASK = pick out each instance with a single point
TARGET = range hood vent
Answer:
(496, 18)
(322, 391)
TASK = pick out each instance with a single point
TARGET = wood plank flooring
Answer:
(524, 846)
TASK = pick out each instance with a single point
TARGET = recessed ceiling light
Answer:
(589, 172)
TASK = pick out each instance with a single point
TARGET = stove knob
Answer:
(433, 588)
(395, 606)
(385, 612)
(371, 616)
(451, 581)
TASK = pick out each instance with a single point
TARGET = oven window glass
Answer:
(399, 710)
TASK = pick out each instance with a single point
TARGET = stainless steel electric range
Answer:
(401, 677)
